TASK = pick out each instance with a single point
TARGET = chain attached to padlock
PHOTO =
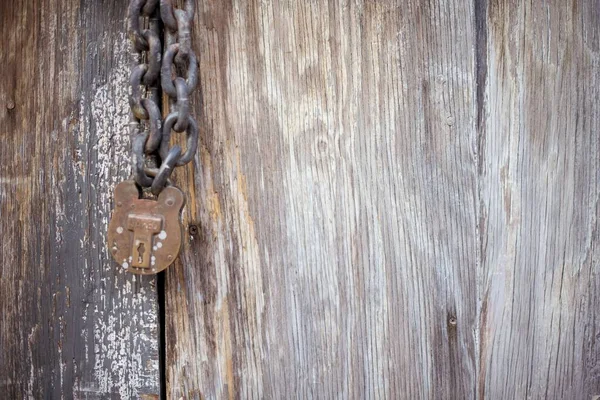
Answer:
(144, 235)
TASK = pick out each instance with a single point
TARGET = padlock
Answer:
(144, 235)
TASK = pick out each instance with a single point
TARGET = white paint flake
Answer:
(125, 326)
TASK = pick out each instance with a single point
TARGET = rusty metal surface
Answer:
(176, 74)
(144, 236)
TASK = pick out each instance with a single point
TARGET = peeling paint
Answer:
(125, 332)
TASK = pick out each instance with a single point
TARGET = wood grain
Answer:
(539, 194)
(391, 199)
(72, 326)
(335, 198)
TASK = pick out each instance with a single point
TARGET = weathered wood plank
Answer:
(71, 325)
(539, 193)
(356, 237)
(335, 197)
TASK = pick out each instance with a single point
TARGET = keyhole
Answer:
(141, 249)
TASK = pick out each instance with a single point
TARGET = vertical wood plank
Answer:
(351, 242)
(335, 201)
(539, 193)
(71, 325)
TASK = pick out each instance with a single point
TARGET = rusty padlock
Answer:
(144, 236)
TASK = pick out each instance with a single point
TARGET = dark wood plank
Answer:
(335, 199)
(72, 326)
(539, 193)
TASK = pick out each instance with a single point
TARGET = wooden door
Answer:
(390, 199)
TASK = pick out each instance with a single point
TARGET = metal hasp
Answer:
(144, 236)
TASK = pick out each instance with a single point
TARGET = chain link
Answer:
(179, 76)
(178, 73)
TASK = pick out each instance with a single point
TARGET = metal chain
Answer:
(178, 72)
